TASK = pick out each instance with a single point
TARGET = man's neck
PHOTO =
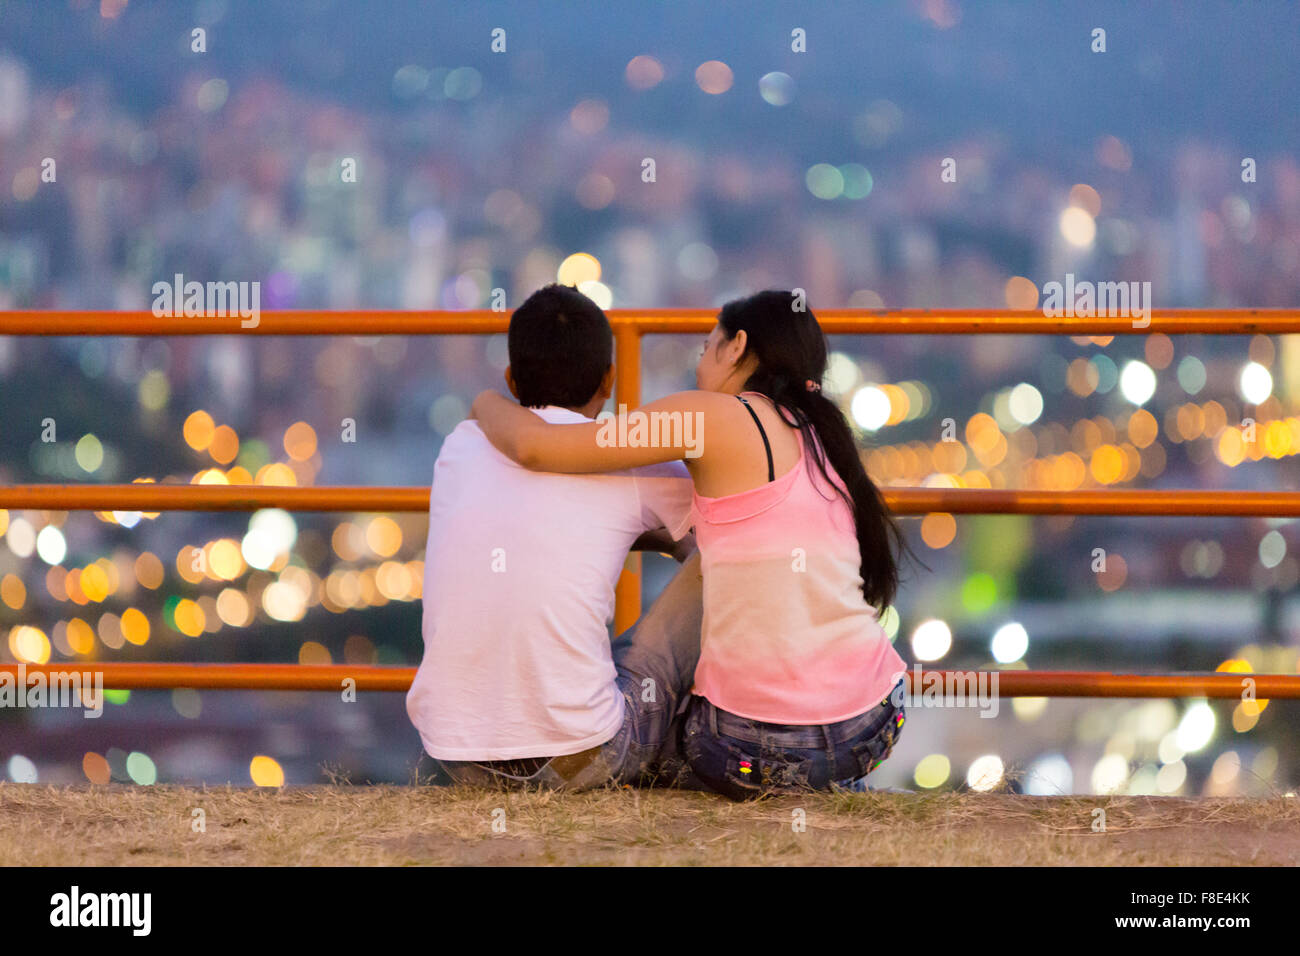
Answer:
(586, 411)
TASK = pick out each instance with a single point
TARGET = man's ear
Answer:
(607, 384)
(510, 383)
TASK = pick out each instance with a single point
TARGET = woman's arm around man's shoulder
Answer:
(669, 429)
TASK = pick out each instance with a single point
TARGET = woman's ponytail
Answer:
(791, 352)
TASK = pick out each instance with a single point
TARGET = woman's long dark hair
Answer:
(785, 339)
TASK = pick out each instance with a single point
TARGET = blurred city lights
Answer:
(1137, 382)
(21, 537)
(1028, 709)
(1171, 777)
(938, 529)
(1168, 749)
(462, 83)
(1077, 227)
(985, 773)
(1191, 374)
(1010, 641)
(889, 622)
(29, 644)
(284, 602)
(1109, 773)
(1272, 549)
(857, 181)
(932, 771)
(777, 89)
(979, 592)
(198, 430)
(299, 441)
(1255, 383)
(589, 116)
(931, 640)
(578, 268)
(1227, 766)
(141, 769)
(842, 373)
(212, 95)
(187, 702)
(265, 772)
(51, 546)
(271, 532)
(96, 768)
(1196, 729)
(1020, 293)
(21, 770)
(1086, 198)
(89, 453)
(870, 408)
(644, 72)
(1049, 776)
(1026, 403)
(824, 181)
(714, 77)
(697, 262)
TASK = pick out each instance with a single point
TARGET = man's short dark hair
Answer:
(560, 346)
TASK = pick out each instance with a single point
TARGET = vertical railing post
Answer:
(627, 391)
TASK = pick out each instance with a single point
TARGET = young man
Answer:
(519, 680)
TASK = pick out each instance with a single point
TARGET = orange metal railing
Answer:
(629, 326)
(913, 501)
(1011, 683)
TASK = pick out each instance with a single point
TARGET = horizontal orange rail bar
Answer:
(1117, 501)
(151, 676)
(684, 321)
(304, 677)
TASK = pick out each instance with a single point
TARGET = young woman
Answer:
(797, 685)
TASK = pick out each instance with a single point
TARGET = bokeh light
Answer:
(265, 772)
(985, 773)
(1010, 641)
(714, 76)
(777, 89)
(931, 640)
(932, 771)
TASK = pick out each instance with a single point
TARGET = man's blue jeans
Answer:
(655, 660)
(744, 758)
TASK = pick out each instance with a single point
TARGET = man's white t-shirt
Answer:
(519, 578)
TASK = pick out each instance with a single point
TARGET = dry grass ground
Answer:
(392, 825)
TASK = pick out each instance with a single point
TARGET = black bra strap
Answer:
(771, 471)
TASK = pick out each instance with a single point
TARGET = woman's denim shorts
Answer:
(744, 758)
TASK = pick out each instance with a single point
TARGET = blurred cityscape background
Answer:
(792, 147)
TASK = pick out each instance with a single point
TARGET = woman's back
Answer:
(788, 637)
(735, 458)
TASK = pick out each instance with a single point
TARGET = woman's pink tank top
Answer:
(788, 637)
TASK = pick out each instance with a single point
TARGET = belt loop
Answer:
(830, 746)
(713, 717)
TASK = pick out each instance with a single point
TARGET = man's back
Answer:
(519, 578)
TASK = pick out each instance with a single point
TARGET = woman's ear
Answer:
(510, 383)
(607, 384)
(736, 347)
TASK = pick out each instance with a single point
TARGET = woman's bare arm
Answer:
(669, 429)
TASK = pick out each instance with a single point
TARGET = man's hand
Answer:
(663, 542)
